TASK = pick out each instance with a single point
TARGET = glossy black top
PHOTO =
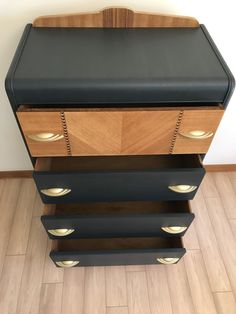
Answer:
(117, 66)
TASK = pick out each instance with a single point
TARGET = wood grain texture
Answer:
(179, 289)
(226, 192)
(121, 132)
(215, 267)
(117, 310)
(208, 186)
(95, 291)
(225, 303)
(225, 237)
(200, 290)
(29, 297)
(116, 291)
(138, 300)
(21, 223)
(8, 201)
(10, 283)
(73, 291)
(190, 239)
(196, 120)
(115, 18)
(51, 274)
(49, 298)
(40, 122)
(158, 290)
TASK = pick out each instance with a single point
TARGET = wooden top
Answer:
(115, 18)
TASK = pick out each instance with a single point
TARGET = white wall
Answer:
(14, 14)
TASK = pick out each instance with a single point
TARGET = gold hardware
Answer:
(45, 137)
(174, 229)
(182, 188)
(67, 264)
(55, 192)
(197, 134)
(168, 260)
(61, 232)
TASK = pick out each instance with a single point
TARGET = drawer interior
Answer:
(116, 244)
(118, 208)
(117, 163)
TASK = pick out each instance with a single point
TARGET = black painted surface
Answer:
(123, 251)
(119, 186)
(118, 66)
(113, 225)
(134, 257)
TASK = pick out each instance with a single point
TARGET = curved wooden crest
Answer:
(115, 18)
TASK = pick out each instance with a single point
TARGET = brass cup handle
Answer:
(174, 229)
(67, 264)
(55, 192)
(182, 188)
(168, 260)
(197, 134)
(61, 232)
(45, 137)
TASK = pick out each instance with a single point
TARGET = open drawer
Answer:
(118, 178)
(119, 131)
(117, 219)
(116, 251)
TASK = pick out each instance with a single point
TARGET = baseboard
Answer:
(220, 168)
(16, 174)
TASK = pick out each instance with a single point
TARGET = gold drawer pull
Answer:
(168, 260)
(174, 229)
(61, 232)
(197, 134)
(45, 137)
(55, 192)
(67, 264)
(182, 188)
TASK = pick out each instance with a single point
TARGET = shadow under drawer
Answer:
(117, 219)
(116, 251)
(120, 178)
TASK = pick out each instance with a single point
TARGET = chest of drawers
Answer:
(116, 109)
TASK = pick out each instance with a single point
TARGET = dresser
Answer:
(117, 110)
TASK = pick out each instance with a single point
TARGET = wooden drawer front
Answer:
(122, 178)
(43, 133)
(118, 219)
(196, 131)
(116, 251)
(121, 132)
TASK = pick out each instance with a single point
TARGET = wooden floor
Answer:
(204, 282)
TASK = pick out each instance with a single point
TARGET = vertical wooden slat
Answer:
(224, 237)
(8, 201)
(29, 296)
(180, 294)
(73, 291)
(95, 291)
(21, 223)
(226, 192)
(158, 290)
(199, 285)
(138, 300)
(10, 283)
(51, 274)
(116, 292)
(215, 267)
(50, 299)
(225, 303)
